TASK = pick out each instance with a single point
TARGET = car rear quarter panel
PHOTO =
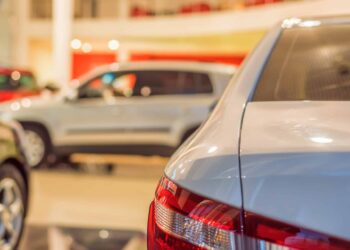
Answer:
(295, 162)
(220, 81)
(209, 164)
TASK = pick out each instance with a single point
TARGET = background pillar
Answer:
(62, 28)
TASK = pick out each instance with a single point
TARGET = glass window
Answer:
(172, 83)
(308, 64)
(157, 83)
(18, 81)
(197, 83)
(27, 82)
(146, 83)
(4, 82)
(95, 87)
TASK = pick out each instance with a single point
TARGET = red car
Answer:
(15, 83)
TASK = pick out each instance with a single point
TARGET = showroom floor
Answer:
(92, 207)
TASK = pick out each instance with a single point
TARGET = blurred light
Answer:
(310, 23)
(113, 44)
(127, 92)
(75, 82)
(26, 103)
(75, 44)
(322, 140)
(15, 75)
(146, 91)
(15, 106)
(114, 66)
(104, 234)
(212, 149)
(289, 23)
(108, 78)
(87, 47)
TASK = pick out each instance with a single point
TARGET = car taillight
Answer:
(277, 233)
(179, 219)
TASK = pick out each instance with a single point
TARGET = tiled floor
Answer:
(66, 238)
(78, 210)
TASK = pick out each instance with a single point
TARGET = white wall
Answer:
(6, 36)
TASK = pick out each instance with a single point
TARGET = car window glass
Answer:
(308, 64)
(27, 82)
(3, 82)
(18, 81)
(171, 83)
(96, 86)
(146, 83)
(124, 85)
(157, 83)
(203, 83)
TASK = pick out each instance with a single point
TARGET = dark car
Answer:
(15, 83)
(14, 183)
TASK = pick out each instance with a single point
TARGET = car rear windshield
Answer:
(308, 64)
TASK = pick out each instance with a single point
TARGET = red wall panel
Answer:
(82, 63)
(235, 59)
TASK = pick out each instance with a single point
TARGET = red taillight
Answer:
(179, 219)
(289, 236)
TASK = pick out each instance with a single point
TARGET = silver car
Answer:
(146, 108)
(270, 167)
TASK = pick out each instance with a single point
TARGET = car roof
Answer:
(307, 22)
(8, 71)
(162, 65)
(174, 65)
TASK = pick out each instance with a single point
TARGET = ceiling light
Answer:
(113, 44)
(87, 47)
(75, 44)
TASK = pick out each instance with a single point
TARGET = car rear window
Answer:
(308, 64)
